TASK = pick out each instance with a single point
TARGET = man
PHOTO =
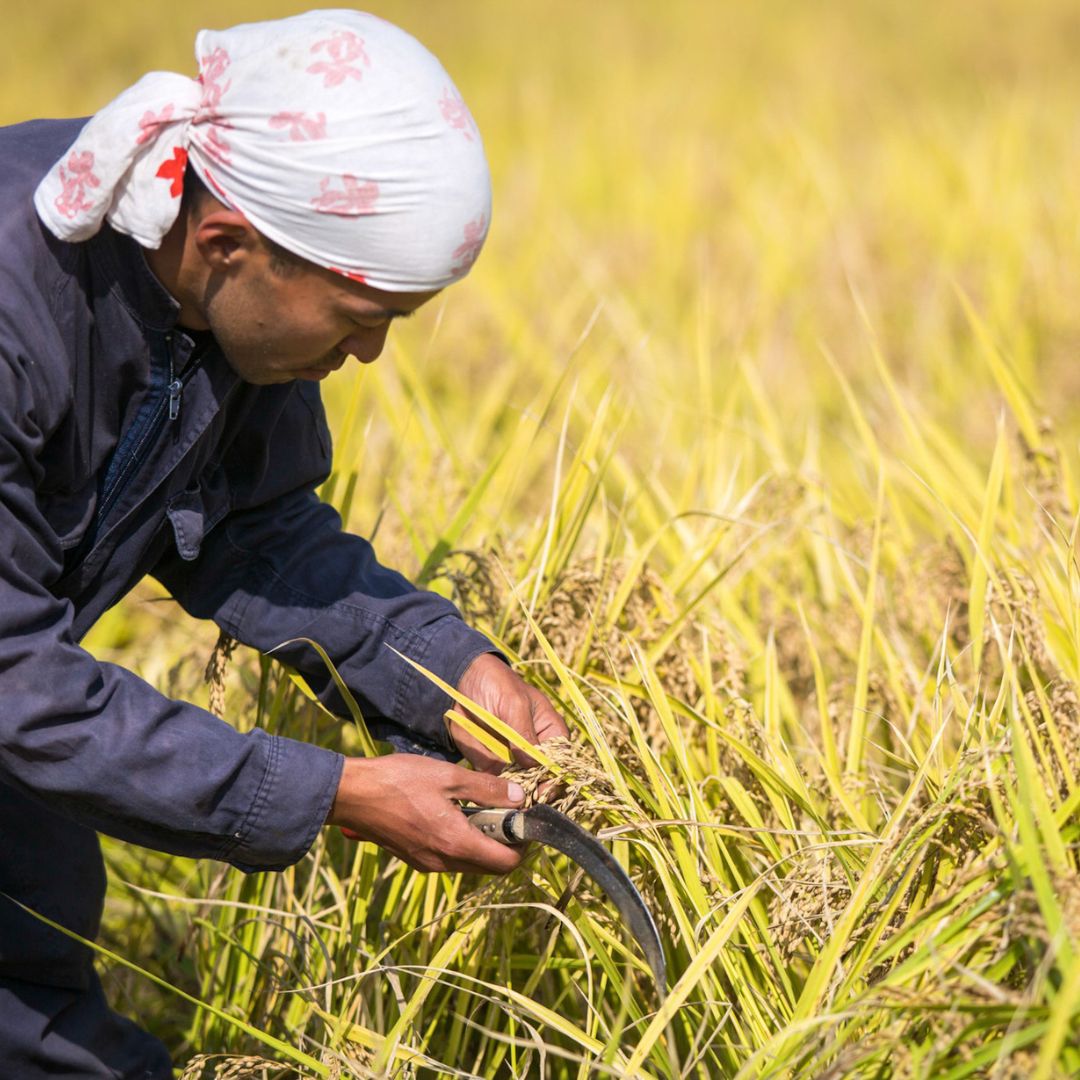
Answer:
(175, 279)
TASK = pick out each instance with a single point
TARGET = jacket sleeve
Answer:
(92, 740)
(279, 567)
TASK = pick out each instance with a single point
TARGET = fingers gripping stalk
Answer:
(411, 806)
(494, 686)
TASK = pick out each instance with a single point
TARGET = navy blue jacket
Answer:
(122, 455)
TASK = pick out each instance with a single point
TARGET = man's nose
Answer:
(366, 345)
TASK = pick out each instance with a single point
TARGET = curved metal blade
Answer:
(548, 826)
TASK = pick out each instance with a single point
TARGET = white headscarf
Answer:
(336, 134)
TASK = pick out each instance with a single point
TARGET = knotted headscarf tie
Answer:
(336, 134)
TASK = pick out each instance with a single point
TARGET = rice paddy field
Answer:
(752, 439)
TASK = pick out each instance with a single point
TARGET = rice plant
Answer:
(752, 442)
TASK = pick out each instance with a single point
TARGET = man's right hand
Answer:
(409, 805)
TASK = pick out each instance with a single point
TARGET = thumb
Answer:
(487, 790)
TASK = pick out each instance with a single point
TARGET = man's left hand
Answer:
(495, 686)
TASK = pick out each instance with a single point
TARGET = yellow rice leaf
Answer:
(388, 1050)
(487, 740)
(981, 562)
(1015, 394)
(499, 727)
(1063, 1012)
(366, 740)
(857, 735)
(690, 978)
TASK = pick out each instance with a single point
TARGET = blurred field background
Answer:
(753, 437)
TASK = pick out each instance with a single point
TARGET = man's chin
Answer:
(263, 373)
(258, 374)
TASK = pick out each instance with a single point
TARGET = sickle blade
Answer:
(547, 826)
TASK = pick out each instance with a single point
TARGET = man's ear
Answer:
(225, 239)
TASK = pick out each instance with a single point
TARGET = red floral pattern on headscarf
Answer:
(337, 135)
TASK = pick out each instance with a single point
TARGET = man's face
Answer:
(302, 322)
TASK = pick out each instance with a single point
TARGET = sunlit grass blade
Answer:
(856, 747)
(1016, 395)
(487, 740)
(367, 742)
(690, 978)
(498, 727)
(977, 603)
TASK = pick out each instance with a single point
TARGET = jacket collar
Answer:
(122, 263)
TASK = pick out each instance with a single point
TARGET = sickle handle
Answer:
(501, 825)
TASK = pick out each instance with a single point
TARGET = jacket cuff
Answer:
(290, 806)
(448, 649)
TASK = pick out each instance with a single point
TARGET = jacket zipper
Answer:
(169, 405)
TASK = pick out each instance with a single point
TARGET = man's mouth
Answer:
(322, 367)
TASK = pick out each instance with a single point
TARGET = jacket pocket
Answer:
(194, 512)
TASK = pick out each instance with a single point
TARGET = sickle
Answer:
(548, 826)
